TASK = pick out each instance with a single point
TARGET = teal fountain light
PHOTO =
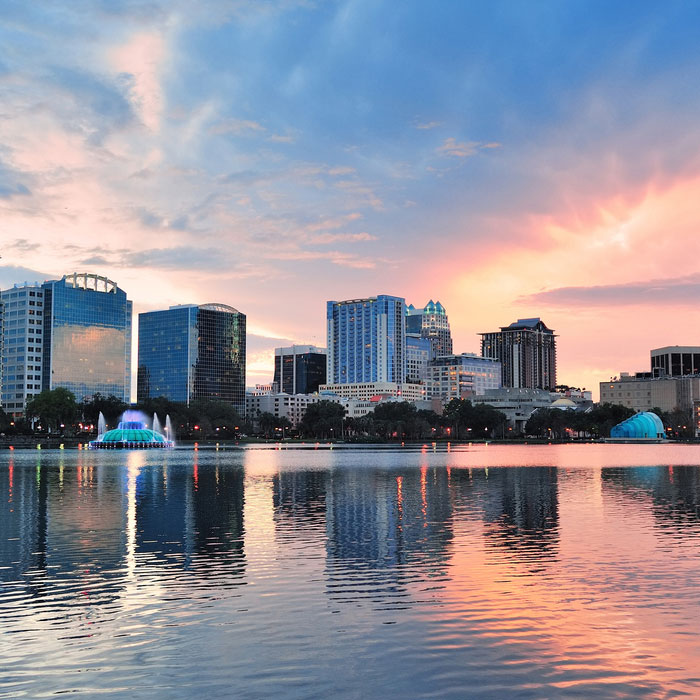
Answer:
(132, 433)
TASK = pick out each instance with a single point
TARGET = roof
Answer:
(219, 307)
(529, 324)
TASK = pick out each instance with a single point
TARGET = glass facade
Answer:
(675, 361)
(299, 369)
(167, 352)
(193, 352)
(87, 337)
(366, 340)
(418, 354)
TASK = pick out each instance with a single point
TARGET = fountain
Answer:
(131, 433)
(156, 424)
(169, 432)
(101, 425)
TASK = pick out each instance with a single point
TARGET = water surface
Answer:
(484, 571)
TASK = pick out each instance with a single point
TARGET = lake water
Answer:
(479, 572)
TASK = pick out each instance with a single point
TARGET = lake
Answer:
(485, 571)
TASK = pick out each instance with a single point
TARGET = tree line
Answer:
(58, 411)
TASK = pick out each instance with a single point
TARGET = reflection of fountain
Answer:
(169, 432)
(101, 425)
(131, 433)
(156, 424)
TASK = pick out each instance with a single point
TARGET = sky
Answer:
(509, 159)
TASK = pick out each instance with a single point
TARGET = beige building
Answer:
(367, 390)
(643, 393)
(293, 406)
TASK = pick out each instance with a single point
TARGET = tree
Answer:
(323, 419)
(550, 423)
(680, 421)
(479, 421)
(267, 422)
(214, 417)
(54, 408)
(110, 406)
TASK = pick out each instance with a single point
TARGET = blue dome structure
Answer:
(641, 426)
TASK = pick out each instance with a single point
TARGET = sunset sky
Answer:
(510, 159)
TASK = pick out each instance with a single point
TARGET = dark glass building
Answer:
(193, 352)
(87, 337)
(299, 369)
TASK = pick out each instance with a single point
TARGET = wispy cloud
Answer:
(428, 125)
(658, 292)
(237, 126)
(463, 149)
(326, 238)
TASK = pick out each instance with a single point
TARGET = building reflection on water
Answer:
(521, 510)
(97, 522)
(94, 522)
(673, 493)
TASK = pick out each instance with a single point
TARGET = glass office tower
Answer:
(299, 369)
(366, 340)
(193, 352)
(87, 337)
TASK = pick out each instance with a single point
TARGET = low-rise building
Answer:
(294, 406)
(462, 376)
(517, 404)
(367, 390)
(642, 392)
(290, 406)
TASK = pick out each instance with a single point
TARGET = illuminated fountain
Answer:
(132, 434)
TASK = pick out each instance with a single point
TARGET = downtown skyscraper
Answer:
(193, 352)
(366, 340)
(527, 352)
(430, 322)
(73, 333)
(86, 336)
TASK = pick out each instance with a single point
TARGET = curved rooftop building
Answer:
(87, 336)
(193, 352)
(641, 426)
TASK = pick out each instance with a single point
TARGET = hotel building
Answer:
(22, 346)
(527, 352)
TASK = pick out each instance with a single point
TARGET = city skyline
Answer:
(511, 161)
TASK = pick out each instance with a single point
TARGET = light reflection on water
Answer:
(353, 574)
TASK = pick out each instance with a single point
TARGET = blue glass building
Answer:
(87, 337)
(366, 340)
(193, 352)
